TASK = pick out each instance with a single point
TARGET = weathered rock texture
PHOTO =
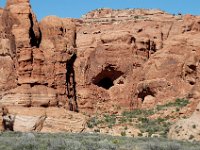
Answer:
(107, 61)
(135, 58)
(34, 65)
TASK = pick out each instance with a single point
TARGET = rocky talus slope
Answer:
(57, 72)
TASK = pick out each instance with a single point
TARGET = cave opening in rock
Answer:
(105, 83)
(145, 92)
(106, 78)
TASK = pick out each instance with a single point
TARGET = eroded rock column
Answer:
(58, 43)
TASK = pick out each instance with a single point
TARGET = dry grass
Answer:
(68, 141)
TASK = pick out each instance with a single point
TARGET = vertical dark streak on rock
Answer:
(71, 84)
(34, 41)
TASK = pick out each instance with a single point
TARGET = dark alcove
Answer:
(106, 78)
(105, 83)
(71, 84)
(145, 92)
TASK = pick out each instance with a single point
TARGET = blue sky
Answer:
(76, 8)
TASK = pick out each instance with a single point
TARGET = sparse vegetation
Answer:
(141, 118)
(92, 122)
(191, 137)
(83, 141)
(136, 17)
(152, 126)
(179, 103)
(194, 126)
(109, 120)
(123, 133)
(138, 113)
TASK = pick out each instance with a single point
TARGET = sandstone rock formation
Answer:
(34, 61)
(135, 58)
(44, 120)
(107, 61)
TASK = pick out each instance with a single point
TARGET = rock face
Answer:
(34, 57)
(107, 61)
(44, 120)
(135, 58)
(35, 60)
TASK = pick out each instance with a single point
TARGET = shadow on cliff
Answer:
(71, 84)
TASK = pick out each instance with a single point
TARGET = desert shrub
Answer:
(97, 130)
(64, 144)
(26, 142)
(157, 125)
(179, 103)
(156, 145)
(191, 137)
(92, 122)
(110, 119)
(136, 17)
(138, 112)
(152, 126)
(123, 120)
(107, 145)
(123, 133)
(85, 141)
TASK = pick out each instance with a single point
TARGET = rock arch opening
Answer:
(105, 79)
(145, 92)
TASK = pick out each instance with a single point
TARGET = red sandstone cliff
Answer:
(107, 60)
(36, 61)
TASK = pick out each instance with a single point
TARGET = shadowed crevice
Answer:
(145, 92)
(34, 41)
(106, 78)
(71, 85)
